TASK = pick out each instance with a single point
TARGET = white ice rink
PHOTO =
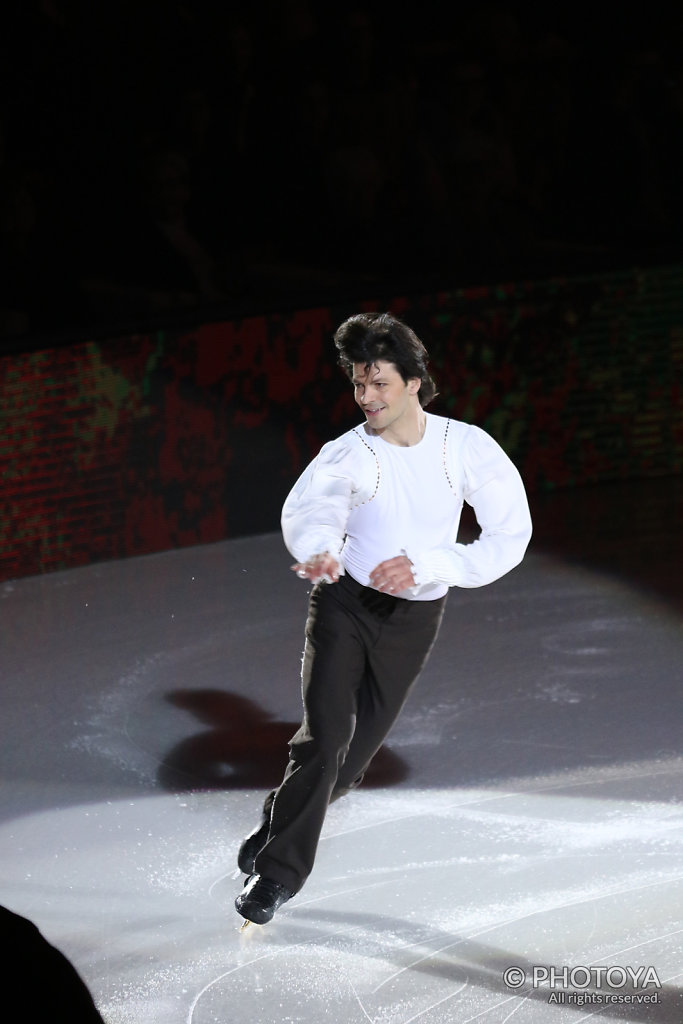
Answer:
(526, 814)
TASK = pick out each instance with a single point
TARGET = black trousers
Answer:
(363, 652)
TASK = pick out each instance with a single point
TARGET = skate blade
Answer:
(246, 925)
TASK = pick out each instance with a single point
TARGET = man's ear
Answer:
(414, 385)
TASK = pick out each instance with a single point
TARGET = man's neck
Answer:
(408, 432)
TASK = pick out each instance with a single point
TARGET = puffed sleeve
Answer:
(316, 511)
(493, 487)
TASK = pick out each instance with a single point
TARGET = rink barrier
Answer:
(155, 441)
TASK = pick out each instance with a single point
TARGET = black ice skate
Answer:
(260, 898)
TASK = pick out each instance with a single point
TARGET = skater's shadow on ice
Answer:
(463, 961)
(243, 748)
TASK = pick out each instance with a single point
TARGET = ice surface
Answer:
(526, 813)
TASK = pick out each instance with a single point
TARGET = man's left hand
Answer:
(393, 576)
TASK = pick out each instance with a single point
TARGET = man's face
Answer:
(383, 395)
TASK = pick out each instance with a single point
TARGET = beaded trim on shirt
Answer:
(374, 455)
(445, 460)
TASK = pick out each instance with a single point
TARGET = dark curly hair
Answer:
(367, 337)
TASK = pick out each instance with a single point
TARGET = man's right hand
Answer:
(317, 568)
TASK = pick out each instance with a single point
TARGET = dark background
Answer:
(171, 161)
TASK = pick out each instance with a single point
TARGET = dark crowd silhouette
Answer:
(161, 158)
(43, 983)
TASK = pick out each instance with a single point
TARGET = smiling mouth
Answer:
(373, 412)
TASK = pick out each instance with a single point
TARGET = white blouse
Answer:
(365, 500)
